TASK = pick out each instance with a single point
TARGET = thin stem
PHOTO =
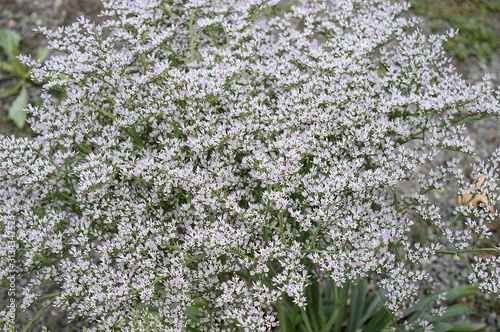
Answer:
(191, 36)
(458, 253)
(306, 320)
(31, 321)
(280, 218)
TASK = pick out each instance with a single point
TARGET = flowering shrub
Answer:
(210, 158)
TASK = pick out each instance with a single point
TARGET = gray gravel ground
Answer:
(24, 15)
(485, 137)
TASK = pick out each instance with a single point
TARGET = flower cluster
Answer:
(209, 157)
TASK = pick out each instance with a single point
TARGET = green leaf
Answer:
(340, 296)
(193, 313)
(373, 303)
(42, 54)
(9, 42)
(357, 303)
(449, 296)
(10, 90)
(459, 326)
(285, 320)
(455, 310)
(136, 139)
(442, 327)
(329, 306)
(146, 307)
(379, 321)
(459, 292)
(7, 67)
(315, 305)
(307, 323)
(16, 111)
(20, 69)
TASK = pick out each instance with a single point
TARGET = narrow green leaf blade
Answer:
(455, 310)
(193, 313)
(357, 303)
(459, 292)
(461, 327)
(315, 305)
(379, 321)
(373, 303)
(16, 111)
(340, 298)
(10, 90)
(143, 307)
(285, 319)
(449, 296)
(7, 67)
(442, 327)
(19, 69)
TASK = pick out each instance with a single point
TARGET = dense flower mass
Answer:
(209, 157)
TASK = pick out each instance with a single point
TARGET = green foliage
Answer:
(478, 22)
(16, 111)
(352, 308)
(13, 69)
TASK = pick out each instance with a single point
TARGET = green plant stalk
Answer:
(451, 252)
(31, 321)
